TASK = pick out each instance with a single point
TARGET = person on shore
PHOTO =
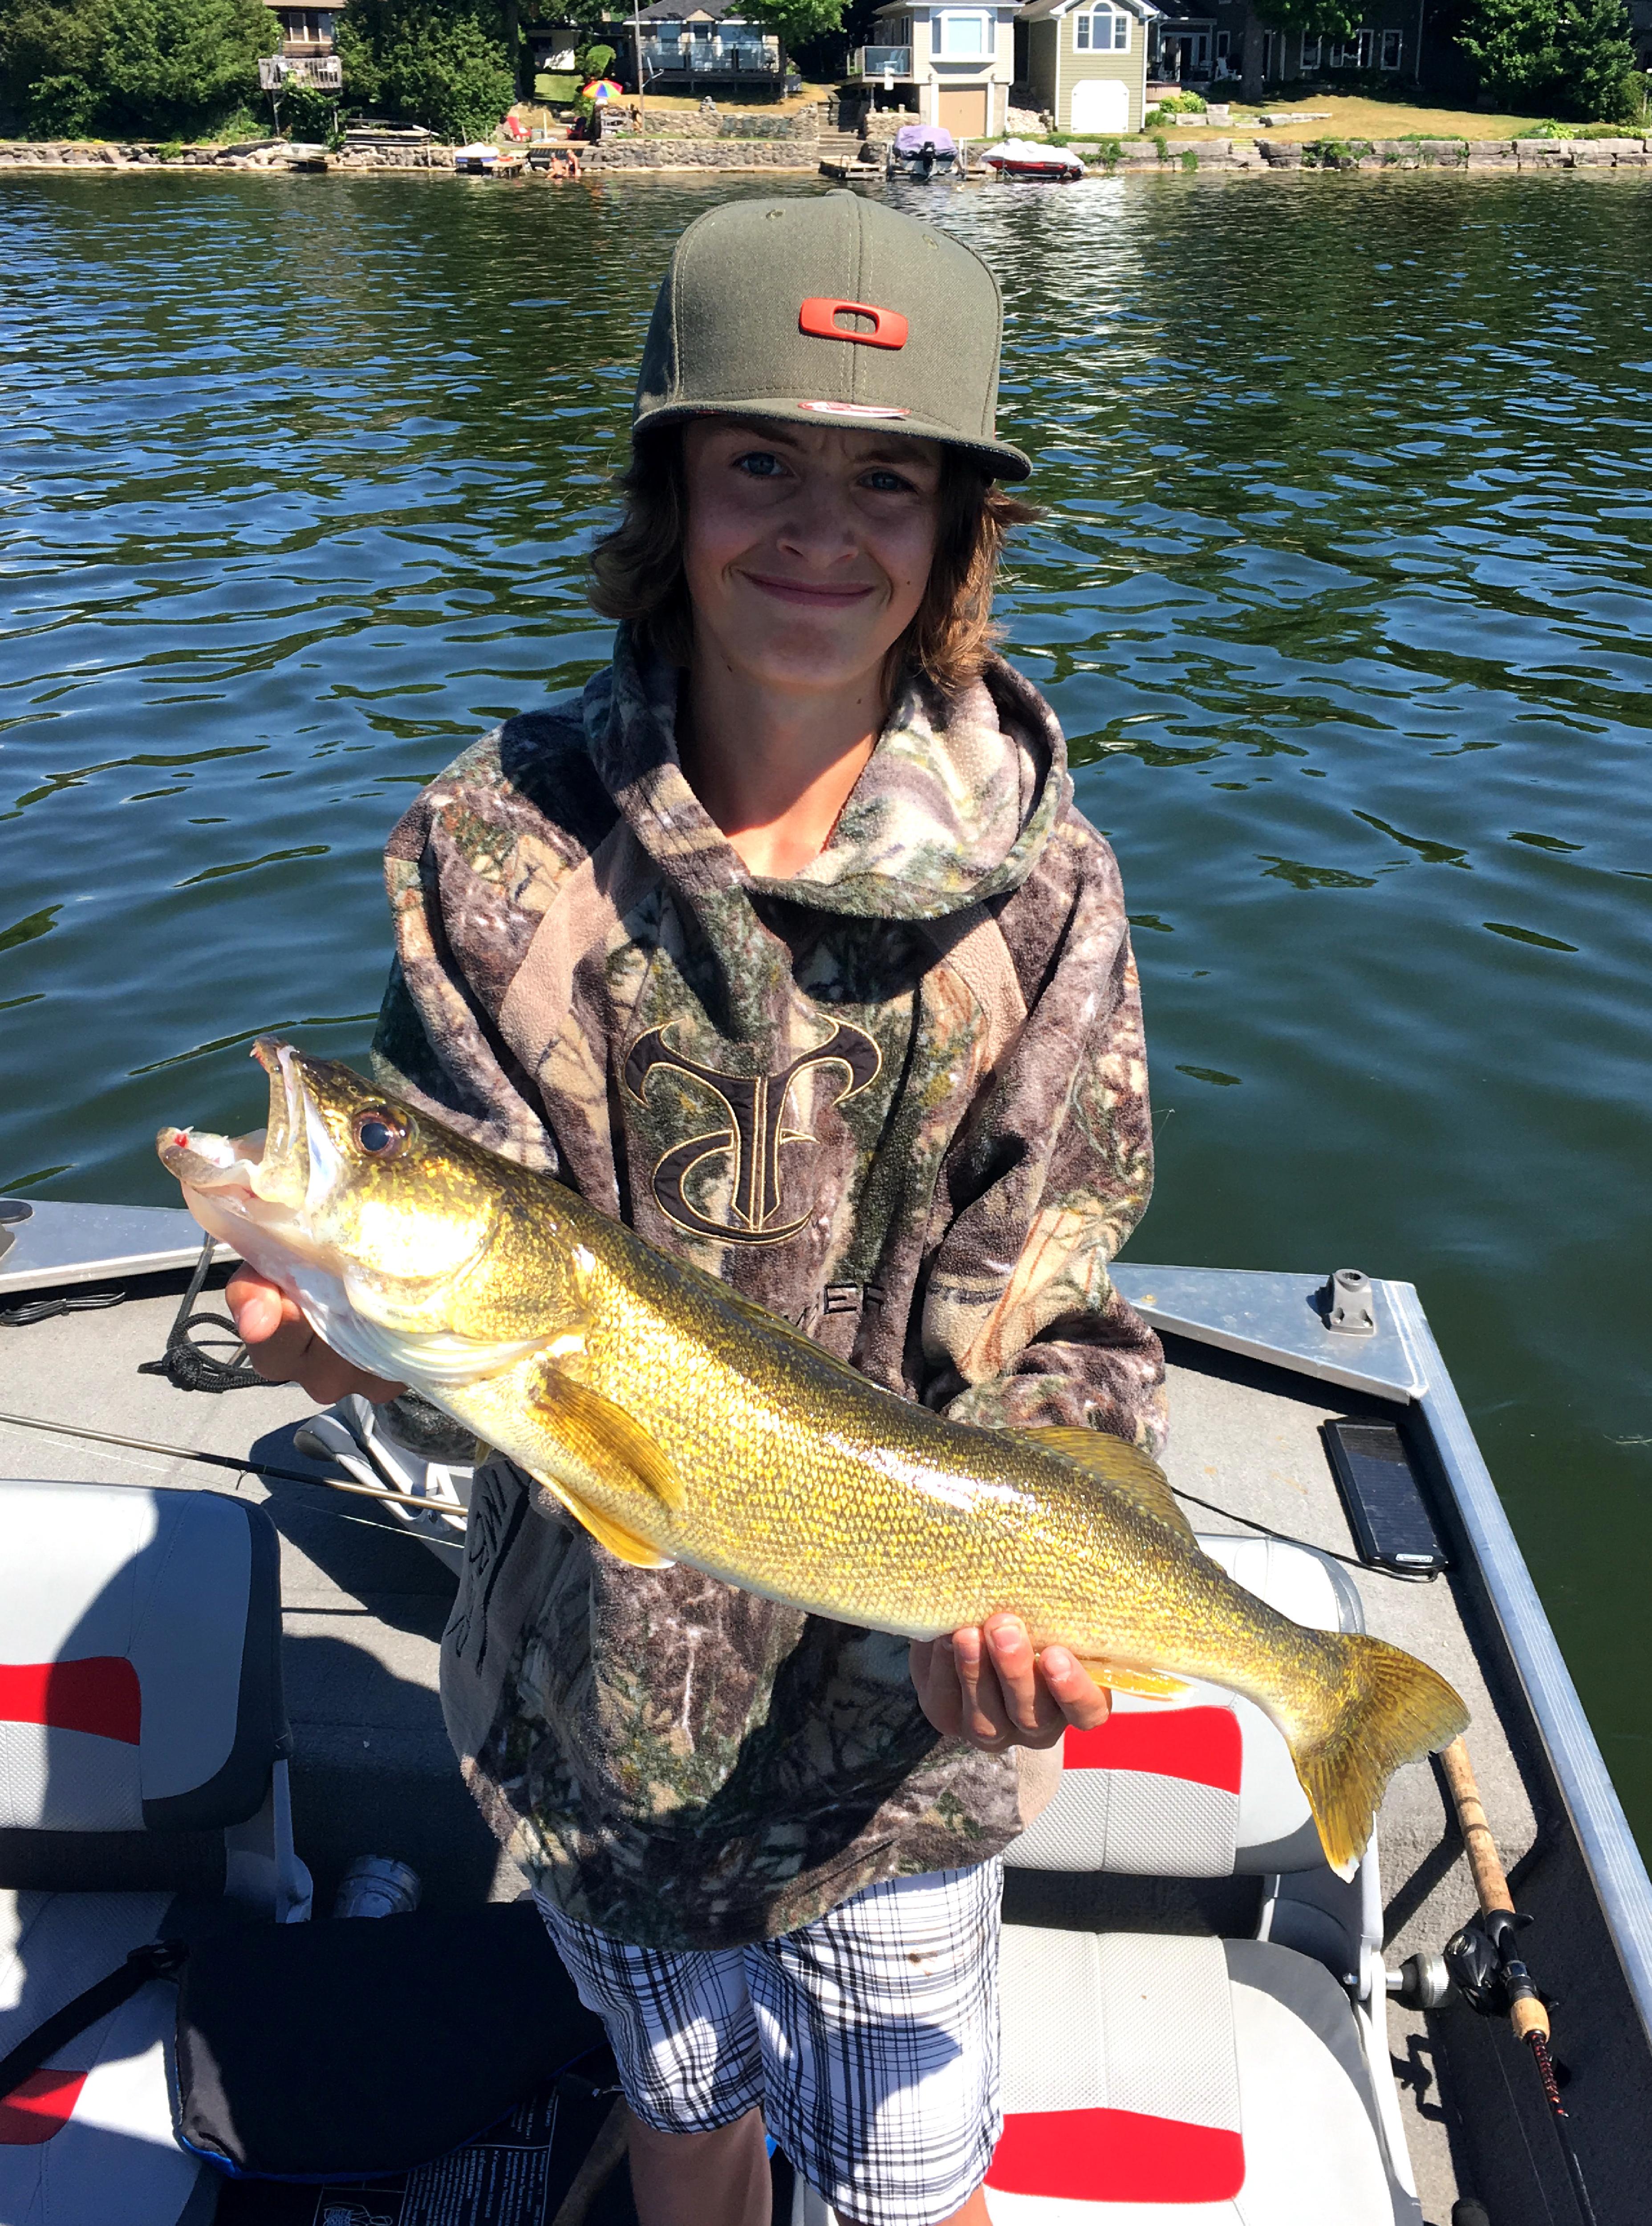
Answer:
(785, 943)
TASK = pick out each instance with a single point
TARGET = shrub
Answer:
(418, 62)
(1572, 56)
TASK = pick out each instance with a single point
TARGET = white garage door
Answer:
(1101, 103)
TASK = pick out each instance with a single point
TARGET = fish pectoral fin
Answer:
(604, 1437)
(1144, 1681)
(620, 1542)
(1124, 1468)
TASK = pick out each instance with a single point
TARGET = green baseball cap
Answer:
(829, 310)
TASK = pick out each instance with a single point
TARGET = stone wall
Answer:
(799, 151)
(700, 155)
(803, 123)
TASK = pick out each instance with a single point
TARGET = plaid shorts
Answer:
(869, 2038)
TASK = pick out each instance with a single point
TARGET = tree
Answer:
(160, 66)
(176, 66)
(1332, 19)
(1570, 57)
(795, 21)
(447, 65)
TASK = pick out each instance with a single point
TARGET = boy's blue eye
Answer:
(889, 482)
(761, 463)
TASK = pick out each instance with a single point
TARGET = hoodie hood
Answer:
(954, 806)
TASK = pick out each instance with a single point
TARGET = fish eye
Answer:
(379, 1133)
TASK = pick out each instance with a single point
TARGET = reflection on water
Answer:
(1342, 590)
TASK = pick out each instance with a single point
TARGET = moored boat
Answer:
(921, 151)
(1201, 2022)
(483, 160)
(1024, 159)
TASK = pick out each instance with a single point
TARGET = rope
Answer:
(189, 1366)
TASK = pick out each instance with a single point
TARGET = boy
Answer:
(786, 945)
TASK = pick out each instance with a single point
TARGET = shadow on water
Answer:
(1342, 589)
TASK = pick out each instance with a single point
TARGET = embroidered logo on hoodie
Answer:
(754, 1134)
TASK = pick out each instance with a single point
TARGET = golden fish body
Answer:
(679, 1422)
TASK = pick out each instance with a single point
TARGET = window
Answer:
(1104, 31)
(1311, 49)
(1351, 54)
(1222, 45)
(1393, 47)
(964, 34)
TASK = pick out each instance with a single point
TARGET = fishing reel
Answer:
(1485, 1966)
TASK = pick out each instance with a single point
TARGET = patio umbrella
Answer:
(601, 88)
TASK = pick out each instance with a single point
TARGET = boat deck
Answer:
(365, 1605)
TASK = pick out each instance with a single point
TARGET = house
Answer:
(1085, 61)
(1198, 42)
(950, 66)
(706, 47)
(305, 55)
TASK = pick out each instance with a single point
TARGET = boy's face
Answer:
(808, 548)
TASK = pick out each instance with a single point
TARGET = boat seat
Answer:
(143, 1761)
(1156, 2080)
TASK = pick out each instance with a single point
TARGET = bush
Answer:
(71, 66)
(417, 62)
(1572, 56)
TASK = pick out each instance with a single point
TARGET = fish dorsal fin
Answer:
(607, 1532)
(1123, 1468)
(605, 1439)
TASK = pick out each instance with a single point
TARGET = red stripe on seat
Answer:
(99, 1695)
(1115, 2156)
(40, 2107)
(1202, 1744)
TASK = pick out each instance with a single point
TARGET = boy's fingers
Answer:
(1081, 1700)
(985, 1719)
(936, 1682)
(1027, 1701)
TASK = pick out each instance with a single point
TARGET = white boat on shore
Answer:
(1203, 2024)
(1026, 159)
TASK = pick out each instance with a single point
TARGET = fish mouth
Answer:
(239, 1187)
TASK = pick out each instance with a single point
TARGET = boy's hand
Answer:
(987, 1685)
(284, 1349)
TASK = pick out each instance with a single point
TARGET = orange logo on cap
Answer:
(819, 315)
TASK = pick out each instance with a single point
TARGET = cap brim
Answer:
(997, 458)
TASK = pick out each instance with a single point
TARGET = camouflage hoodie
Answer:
(901, 1100)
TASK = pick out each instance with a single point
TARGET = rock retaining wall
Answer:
(804, 123)
(700, 155)
(686, 149)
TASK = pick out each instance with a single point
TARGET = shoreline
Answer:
(1169, 157)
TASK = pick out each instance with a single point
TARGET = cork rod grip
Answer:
(1488, 1880)
(1525, 2014)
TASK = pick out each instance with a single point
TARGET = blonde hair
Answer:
(637, 569)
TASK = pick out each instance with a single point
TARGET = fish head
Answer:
(353, 1200)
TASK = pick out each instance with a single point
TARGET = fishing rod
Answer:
(1484, 1959)
(240, 1467)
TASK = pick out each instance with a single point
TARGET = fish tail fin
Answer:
(1386, 1708)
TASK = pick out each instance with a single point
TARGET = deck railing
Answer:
(881, 62)
(324, 72)
(702, 58)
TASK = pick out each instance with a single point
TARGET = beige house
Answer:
(1085, 61)
(951, 65)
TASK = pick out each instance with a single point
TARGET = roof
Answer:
(692, 11)
(1040, 11)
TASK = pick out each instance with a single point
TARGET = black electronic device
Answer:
(1386, 1511)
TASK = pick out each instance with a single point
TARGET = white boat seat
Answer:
(1200, 1786)
(141, 1723)
(1151, 2081)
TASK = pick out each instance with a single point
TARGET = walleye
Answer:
(678, 1421)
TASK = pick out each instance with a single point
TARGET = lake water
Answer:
(1343, 592)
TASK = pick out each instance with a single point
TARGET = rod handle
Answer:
(1490, 1884)
(1528, 2016)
